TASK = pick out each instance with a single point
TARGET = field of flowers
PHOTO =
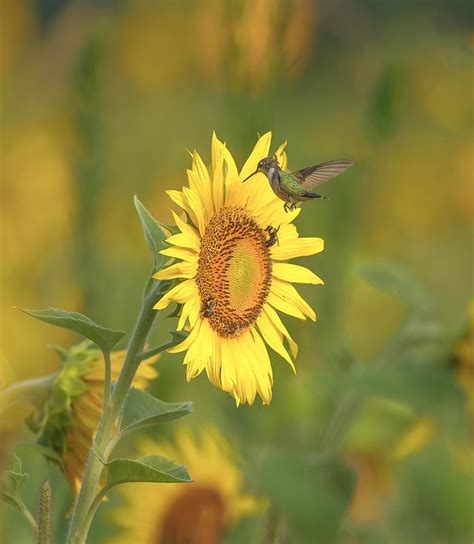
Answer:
(183, 360)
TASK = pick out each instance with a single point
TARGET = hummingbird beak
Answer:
(253, 174)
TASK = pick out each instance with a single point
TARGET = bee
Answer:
(209, 307)
(272, 236)
(234, 328)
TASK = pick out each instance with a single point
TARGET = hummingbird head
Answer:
(264, 166)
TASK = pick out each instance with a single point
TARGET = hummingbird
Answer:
(295, 187)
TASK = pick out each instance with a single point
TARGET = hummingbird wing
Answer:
(311, 177)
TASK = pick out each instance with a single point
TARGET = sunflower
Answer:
(199, 512)
(70, 417)
(230, 252)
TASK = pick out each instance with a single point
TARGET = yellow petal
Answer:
(264, 367)
(188, 255)
(299, 247)
(198, 208)
(285, 291)
(218, 180)
(216, 150)
(180, 293)
(178, 270)
(227, 378)
(259, 152)
(295, 273)
(202, 182)
(187, 342)
(183, 226)
(273, 337)
(213, 367)
(178, 198)
(284, 306)
(185, 239)
(188, 312)
(275, 318)
(280, 156)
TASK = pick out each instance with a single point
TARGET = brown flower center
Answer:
(196, 516)
(234, 271)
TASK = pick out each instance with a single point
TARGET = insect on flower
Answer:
(208, 307)
(272, 236)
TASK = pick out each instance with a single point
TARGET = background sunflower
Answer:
(202, 511)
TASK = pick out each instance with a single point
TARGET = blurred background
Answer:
(372, 442)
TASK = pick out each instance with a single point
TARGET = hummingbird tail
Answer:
(314, 195)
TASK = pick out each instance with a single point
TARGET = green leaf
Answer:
(397, 281)
(152, 468)
(13, 482)
(142, 410)
(154, 235)
(76, 322)
(384, 107)
(32, 448)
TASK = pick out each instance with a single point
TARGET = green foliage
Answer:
(76, 322)
(440, 494)
(143, 410)
(311, 493)
(52, 422)
(151, 468)
(39, 449)
(384, 107)
(14, 481)
(154, 234)
(397, 281)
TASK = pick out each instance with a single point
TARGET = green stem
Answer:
(79, 528)
(158, 349)
(36, 391)
(107, 381)
(27, 515)
(94, 506)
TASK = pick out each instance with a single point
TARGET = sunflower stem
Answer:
(35, 391)
(81, 520)
(94, 506)
(107, 380)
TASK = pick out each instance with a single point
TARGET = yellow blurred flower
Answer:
(196, 513)
(147, 31)
(37, 213)
(71, 415)
(18, 28)
(241, 45)
(272, 37)
(384, 433)
(232, 278)
(446, 100)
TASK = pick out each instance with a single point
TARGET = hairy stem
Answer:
(34, 391)
(107, 381)
(27, 515)
(80, 522)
